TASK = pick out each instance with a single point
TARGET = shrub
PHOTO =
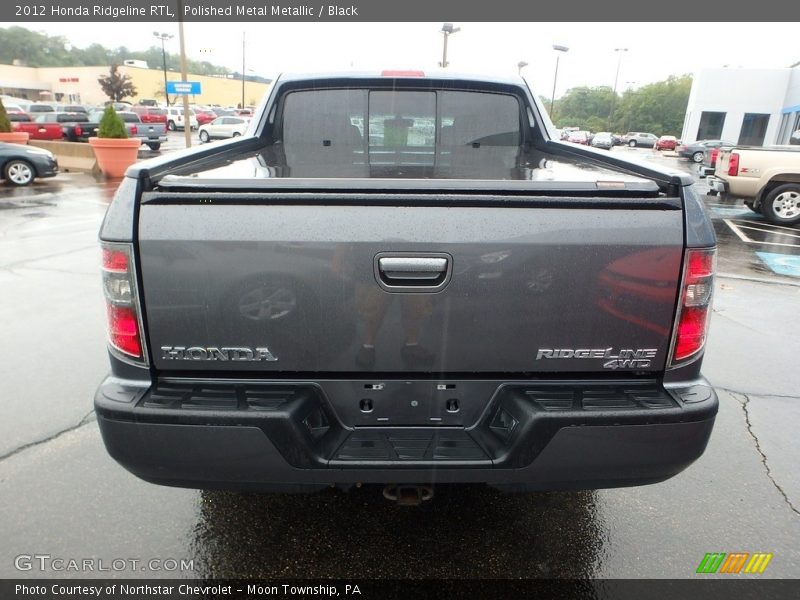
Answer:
(5, 124)
(111, 125)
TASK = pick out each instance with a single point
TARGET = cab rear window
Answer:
(373, 129)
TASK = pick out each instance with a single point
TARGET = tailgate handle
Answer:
(410, 273)
(407, 268)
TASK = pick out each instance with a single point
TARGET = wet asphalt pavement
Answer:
(63, 496)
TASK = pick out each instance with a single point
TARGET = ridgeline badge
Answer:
(627, 358)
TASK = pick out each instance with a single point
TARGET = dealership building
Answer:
(78, 85)
(757, 107)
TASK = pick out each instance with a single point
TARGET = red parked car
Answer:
(151, 114)
(579, 137)
(667, 142)
(204, 115)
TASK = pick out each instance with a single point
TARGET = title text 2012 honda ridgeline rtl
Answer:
(405, 279)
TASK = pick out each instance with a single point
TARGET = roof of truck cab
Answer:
(428, 75)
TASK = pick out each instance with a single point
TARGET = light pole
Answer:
(563, 49)
(616, 78)
(447, 30)
(164, 37)
(243, 33)
(630, 85)
(521, 65)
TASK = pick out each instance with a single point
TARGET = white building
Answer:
(758, 107)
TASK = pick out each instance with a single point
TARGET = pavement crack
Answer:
(744, 400)
(86, 419)
(751, 393)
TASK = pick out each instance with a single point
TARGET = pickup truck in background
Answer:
(72, 127)
(40, 128)
(151, 134)
(405, 280)
(766, 178)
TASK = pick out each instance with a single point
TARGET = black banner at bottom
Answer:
(475, 589)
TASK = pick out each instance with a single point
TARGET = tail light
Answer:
(733, 164)
(78, 131)
(714, 153)
(122, 303)
(134, 130)
(694, 310)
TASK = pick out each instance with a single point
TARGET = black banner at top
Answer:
(18, 11)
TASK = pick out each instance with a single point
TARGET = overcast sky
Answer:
(655, 50)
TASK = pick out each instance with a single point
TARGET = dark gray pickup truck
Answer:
(404, 279)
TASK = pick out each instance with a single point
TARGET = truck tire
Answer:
(171, 126)
(782, 205)
(154, 146)
(19, 172)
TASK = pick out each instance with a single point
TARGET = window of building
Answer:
(754, 128)
(711, 124)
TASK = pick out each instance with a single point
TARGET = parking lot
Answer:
(65, 497)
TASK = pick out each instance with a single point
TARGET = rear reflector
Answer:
(403, 73)
(122, 303)
(694, 310)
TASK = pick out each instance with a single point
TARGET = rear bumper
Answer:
(717, 184)
(286, 437)
(704, 171)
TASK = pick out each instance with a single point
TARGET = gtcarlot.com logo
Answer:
(734, 563)
(46, 562)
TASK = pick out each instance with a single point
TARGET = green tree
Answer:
(111, 125)
(585, 107)
(659, 107)
(116, 85)
(5, 124)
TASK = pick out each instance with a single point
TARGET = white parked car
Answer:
(175, 118)
(223, 127)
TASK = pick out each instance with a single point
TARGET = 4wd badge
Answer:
(626, 358)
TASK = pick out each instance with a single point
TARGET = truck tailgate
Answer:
(537, 286)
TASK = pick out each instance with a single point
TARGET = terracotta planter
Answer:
(14, 137)
(114, 156)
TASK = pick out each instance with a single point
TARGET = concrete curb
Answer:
(72, 156)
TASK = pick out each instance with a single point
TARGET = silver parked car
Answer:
(637, 138)
(603, 139)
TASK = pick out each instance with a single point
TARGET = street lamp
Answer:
(619, 62)
(243, 33)
(447, 30)
(164, 37)
(521, 65)
(616, 78)
(563, 49)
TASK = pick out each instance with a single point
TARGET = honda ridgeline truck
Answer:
(407, 280)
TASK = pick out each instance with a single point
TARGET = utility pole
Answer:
(187, 121)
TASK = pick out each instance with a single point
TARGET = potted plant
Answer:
(7, 134)
(114, 150)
